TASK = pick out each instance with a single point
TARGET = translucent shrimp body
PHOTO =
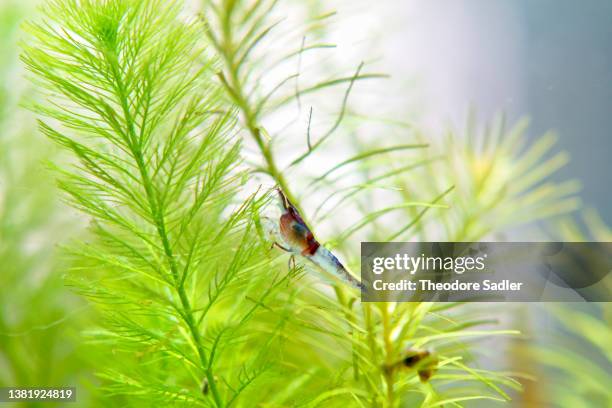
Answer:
(299, 240)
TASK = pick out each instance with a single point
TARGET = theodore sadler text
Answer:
(458, 265)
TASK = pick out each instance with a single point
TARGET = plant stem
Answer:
(235, 88)
(388, 374)
(187, 312)
(350, 317)
(371, 339)
(160, 225)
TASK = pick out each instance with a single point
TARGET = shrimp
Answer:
(299, 240)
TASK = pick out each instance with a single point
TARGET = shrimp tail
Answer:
(327, 261)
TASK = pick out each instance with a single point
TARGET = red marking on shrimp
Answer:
(312, 248)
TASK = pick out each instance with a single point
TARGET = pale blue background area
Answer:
(568, 74)
(550, 60)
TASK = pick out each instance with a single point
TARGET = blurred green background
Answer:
(40, 318)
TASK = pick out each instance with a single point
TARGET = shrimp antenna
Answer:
(286, 203)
